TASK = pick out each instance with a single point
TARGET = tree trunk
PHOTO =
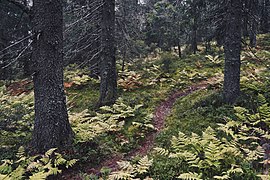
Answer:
(194, 36)
(253, 34)
(179, 50)
(108, 84)
(232, 51)
(265, 15)
(51, 128)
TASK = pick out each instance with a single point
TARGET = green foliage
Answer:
(190, 176)
(129, 80)
(130, 171)
(215, 60)
(231, 151)
(16, 121)
(139, 129)
(156, 76)
(167, 61)
(109, 119)
(259, 119)
(206, 156)
(79, 77)
(34, 167)
(192, 75)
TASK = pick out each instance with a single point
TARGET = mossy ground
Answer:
(193, 113)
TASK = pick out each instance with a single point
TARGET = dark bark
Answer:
(245, 27)
(108, 84)
(51, 128)
(21, 5)
(265, 16)
(179, 50)
(124, 59)
(253, 34)
(232, 51)
(194, 43)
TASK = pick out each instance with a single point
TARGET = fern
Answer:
(210, 155)
(143, 165)
(77, 77)
(214, 59)
(222, 177)
(130, 171)
(126, 171)
(39, 176)
(129, 80)
(162, 151)
(110, 119)
(34, 167)
(190, 176)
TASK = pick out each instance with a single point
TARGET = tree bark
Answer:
(51, 128)
(265, 15)
(253, 34)
(179, 50)
(108, 84)
(194, 45)
(232, 51)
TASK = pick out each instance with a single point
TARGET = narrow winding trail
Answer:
(160, 114)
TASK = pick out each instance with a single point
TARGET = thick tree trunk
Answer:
(232, 51)
(51, 128)
(108, 84)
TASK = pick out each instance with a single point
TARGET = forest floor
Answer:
(160, 96)
(161, 112)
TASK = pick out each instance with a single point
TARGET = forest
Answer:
(134, 89)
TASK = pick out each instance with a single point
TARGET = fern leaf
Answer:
(50, 152)
(39, 176)
(261, 99)
(60, 161)
(264, 177)
(143, 165)
(5, 177)
(162, 151)
(71, 163)
(222, 177)
(190, 176)
(21, 152)
(18, 173)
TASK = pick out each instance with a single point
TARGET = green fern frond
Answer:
(161, 151)
(6, 167)
(235, 169)
(264, 177)
(21, 152)
(5, 177)
(222, 177)
(71, 163)
(50, 152)
(143, 165)
(18, 173)
(261, 100)
(190, 176)
(39, 176)
(59, 160)
(126, 171)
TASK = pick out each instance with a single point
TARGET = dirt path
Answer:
(160, 114)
